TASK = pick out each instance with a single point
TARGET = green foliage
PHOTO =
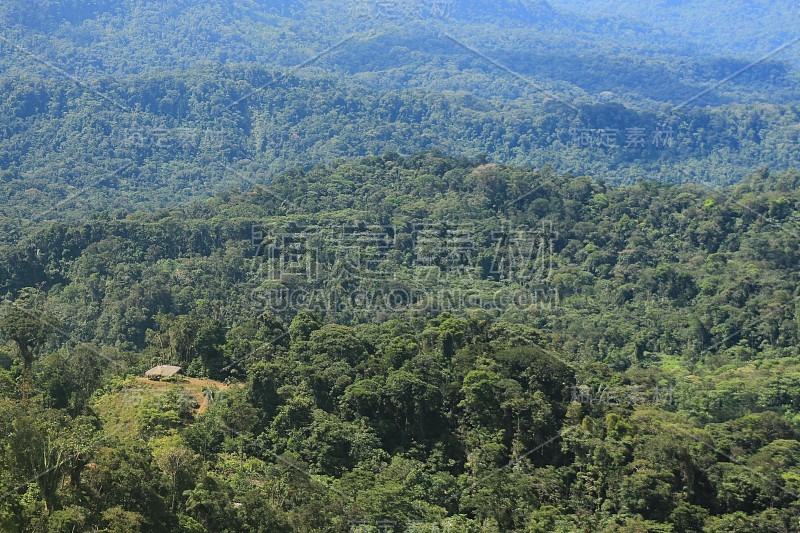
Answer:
(648, 380)
(175, 108)
(657, 393)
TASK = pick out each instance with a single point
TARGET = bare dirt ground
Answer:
(193, 385)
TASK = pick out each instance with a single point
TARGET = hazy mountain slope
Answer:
(748, 28)
(144, 103)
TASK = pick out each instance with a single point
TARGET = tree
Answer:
(333, 342)
(125, 476)
(118, 519)
(179, 465)
(258, 516)
(208, 343)
(71, 377)
(67, 520)
(264, 382)
(303, 324)
(47, 448)
(29, 330)
(197, 341)
(210, 504)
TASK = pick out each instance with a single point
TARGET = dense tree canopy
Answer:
(650, 385)
(424, 265)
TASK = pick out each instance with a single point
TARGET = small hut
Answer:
(162, 372)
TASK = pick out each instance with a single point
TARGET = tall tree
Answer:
(28, 329)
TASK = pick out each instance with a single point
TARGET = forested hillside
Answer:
(411, 343)
(137, 103)
(739, 27)
(399, 266)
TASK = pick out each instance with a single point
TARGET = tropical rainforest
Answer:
(424, 266)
